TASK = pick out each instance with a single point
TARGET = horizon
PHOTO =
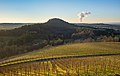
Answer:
(40, 11)
(117, 23)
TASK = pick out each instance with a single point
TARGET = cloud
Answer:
(83, 14)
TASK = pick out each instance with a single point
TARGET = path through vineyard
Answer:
(57, 58)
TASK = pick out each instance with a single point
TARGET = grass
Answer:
(76, 49)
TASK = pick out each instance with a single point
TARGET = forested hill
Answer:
(52, 26)
(54, 32)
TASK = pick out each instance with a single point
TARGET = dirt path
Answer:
(77, 57)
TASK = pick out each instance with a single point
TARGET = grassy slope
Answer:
(78, 49)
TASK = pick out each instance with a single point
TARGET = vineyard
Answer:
(89, 66)
(77, 49)
(78, 59)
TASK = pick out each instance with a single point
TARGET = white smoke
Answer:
(83, 14)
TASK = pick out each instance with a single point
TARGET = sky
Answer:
(39, 11)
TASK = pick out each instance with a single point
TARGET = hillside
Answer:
(52, 33)
(98, 58)
(78, 49)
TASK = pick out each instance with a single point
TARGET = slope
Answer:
(77, 49)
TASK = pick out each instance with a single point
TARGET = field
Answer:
(89, 66)
(77, 49)
(94, 59)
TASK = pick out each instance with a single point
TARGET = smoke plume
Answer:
(83, 14)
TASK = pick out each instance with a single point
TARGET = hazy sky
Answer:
(42, 10)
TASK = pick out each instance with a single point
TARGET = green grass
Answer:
(76, 49)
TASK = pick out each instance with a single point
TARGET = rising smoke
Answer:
(82, 15)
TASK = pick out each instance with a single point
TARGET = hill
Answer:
(52, 33)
